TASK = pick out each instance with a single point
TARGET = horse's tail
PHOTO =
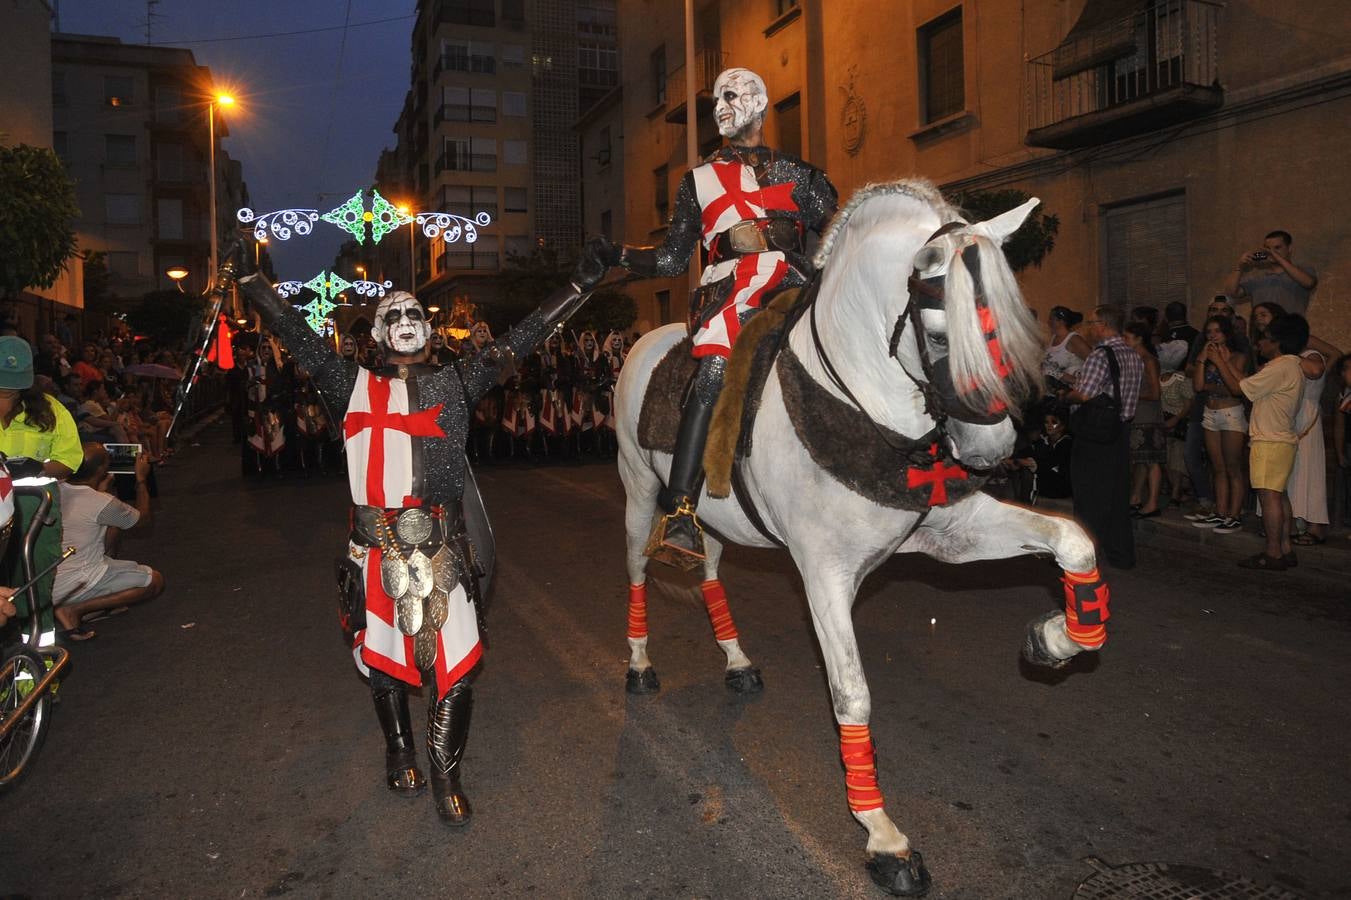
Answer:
(999, 372)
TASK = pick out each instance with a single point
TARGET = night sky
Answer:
(307, 128)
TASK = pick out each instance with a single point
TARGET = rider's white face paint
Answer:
(401, 324)
(742, 99)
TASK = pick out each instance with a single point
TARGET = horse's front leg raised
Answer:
(892, 862)
(740, 676)
(981, 527)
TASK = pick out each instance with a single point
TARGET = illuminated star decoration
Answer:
(353, 217)
(326, 285)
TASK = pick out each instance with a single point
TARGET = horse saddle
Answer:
(729, 434)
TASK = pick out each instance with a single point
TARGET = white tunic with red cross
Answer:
(380, 431)
(728, 193)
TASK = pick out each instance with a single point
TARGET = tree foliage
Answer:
(37, 212)
(1027, 246)
(526, 280)
(167, 316)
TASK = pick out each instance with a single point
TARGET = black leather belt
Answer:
(410, 528)
(757, 236)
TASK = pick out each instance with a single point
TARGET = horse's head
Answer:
(974, 349)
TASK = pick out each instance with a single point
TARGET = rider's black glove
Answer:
(594, 262)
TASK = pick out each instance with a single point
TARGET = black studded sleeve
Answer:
(672, 255)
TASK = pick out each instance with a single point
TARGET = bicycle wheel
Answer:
(22, 670)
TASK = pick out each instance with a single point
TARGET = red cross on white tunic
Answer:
(749, 202)
(379, 420)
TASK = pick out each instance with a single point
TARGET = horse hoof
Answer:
(1035, 650)
(642, 681)
(900, 877)
(744, 681)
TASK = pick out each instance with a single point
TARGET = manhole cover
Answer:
(1170, 881)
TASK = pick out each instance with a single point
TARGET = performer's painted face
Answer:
(742, 100)
(588, 343)
(401, 324)
(615, 343)
(480, 335)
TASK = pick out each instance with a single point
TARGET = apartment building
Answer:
(131, 124)
(487, 126)
(1169, 136)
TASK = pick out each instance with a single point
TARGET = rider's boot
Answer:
(447, 733)
(678, 539)
(401, 771)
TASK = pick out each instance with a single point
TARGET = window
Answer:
(169, 218)
(597, 63)
(484, 154)
(661, 194)
(469, 56)
(169, 163)
(473, 258)
(603, 147)
(607, 224)
(513, 103)
(117, 90)
(467, 12)
(468, 155)
(513, 55)
(58, 88)
(122, 209)
(1145, 253)
(483, 105)
(514, 153)
(168, 104)
(663, 299)
(941, 68)
(513, 13)
(60, 144)
(126, 263)
(461, 104)
(788, 115)
(657, 68)
(119, 150)
(514, 200)
(467, 200)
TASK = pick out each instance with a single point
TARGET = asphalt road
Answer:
(218, 743)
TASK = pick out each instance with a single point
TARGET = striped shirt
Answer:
(1095, 378)
(61, 444)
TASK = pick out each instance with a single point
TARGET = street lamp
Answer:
(412, 249)
(177, 273)
(258, 252)
(218, 100)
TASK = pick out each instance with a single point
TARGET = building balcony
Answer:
(1128, 76)
(708, 63)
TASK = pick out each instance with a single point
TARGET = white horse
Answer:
(922, 330)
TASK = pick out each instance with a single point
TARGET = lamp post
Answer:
(223, 100)
(412, 250)
(258, 252)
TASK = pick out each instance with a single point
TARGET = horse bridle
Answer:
(922, 294)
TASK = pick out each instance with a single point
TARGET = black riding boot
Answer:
(401, 771)
(678, 539)
(447, 732)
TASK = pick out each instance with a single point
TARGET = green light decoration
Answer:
(327, 286)
(353, 217)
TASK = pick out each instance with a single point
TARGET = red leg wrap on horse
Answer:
(637, 611)
(860, 768)
(1087, 598)
(724, 629)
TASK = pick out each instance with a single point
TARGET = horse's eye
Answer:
(938, 340)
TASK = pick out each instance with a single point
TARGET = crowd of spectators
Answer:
(60, 403)
(1226, 419)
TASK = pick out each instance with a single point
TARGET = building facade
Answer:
(488, 126)
(131, 123)
(1168, 136)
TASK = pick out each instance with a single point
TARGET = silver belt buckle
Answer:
(413, 526)
(745, 237)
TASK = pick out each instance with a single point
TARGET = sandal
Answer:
(79, 634)
(1308, 539)
(1262, 561)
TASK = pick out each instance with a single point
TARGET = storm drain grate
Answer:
(1169, 881)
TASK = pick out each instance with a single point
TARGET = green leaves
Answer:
(37, 213)
(1029, 244)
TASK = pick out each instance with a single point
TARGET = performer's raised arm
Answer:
(672, 256)
(334, 376)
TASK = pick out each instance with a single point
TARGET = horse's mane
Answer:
(920, 189)
(972, 365)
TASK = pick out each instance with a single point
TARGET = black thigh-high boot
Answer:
(678, 539)
(391, 707)
(447, 733)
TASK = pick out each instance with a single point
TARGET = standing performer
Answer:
(410, 595)
(751, 206)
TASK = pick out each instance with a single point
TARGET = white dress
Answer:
(1308, 485)
(1060, 360)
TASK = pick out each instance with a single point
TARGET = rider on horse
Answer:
(751, 206)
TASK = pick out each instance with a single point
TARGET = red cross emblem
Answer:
(1091, 603)
(775, 196)
(379, 420)
(6, 485)
(938, 476)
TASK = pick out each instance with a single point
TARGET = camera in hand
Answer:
(1260, 255)
(122, 458)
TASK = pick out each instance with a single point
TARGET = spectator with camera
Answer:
(1269, 275)
(91, 580)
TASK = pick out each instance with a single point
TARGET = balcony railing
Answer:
(1137, 74)
(707, 64)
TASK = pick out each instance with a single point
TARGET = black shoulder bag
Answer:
(1099, 419)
